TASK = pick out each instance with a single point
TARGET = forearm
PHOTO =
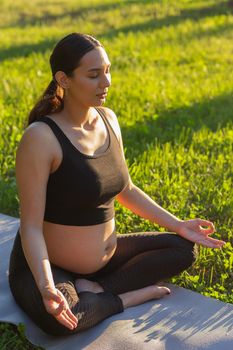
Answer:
(141, 204)
(36, 254)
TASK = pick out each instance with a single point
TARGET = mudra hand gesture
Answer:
(194, 231)
(56, 305)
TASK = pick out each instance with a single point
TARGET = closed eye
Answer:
(97, 74)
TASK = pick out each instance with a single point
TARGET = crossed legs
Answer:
(136, 261)
(140, 261)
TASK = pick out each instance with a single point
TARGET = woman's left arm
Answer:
(141, 204)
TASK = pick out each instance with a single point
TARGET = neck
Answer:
(79, 116)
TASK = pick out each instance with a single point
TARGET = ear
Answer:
(62, 79)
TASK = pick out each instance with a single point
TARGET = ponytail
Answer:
(50, 101)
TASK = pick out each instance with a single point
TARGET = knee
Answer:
(188, 251)
(51, 326)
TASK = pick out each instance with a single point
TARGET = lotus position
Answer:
(69, 268)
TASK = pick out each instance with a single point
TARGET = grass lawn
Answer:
(172, 92)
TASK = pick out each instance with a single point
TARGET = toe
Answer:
(161, 291)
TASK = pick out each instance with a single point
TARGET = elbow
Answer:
(30, 231)
(124, 195)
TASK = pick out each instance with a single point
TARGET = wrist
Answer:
(178, 226)
(44, 286)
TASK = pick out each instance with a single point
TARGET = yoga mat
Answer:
(184, 320)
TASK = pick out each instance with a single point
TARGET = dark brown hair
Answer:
(65, 57)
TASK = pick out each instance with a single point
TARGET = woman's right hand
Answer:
(56, 305)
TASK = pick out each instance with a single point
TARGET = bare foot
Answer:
(132, 298)
(139, 296)
(82, 285)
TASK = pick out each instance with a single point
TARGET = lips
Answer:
(102, 95)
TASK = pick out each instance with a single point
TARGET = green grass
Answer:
(172, 91)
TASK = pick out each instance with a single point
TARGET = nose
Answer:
(106, 82)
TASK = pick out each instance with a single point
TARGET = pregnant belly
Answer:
(80, 249)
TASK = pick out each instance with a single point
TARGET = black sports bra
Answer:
(81, 191)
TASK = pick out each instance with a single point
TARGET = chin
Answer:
(98, 104)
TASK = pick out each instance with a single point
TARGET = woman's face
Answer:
(91, 80)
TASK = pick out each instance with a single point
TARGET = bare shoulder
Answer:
(111, 114)
(38, 136)
(113, 120)
(38, 147)
(37, 129)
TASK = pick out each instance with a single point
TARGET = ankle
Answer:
(87, 285)
(98, 287)
(126, 300)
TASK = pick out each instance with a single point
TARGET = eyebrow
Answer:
(97, 68)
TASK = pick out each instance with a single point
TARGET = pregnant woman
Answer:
(69, 268)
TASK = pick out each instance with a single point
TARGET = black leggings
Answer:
(140, 260)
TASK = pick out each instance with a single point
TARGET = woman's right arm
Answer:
(34, 158)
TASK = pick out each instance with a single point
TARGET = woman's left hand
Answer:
(194, 231)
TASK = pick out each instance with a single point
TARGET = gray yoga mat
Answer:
(184, 320)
